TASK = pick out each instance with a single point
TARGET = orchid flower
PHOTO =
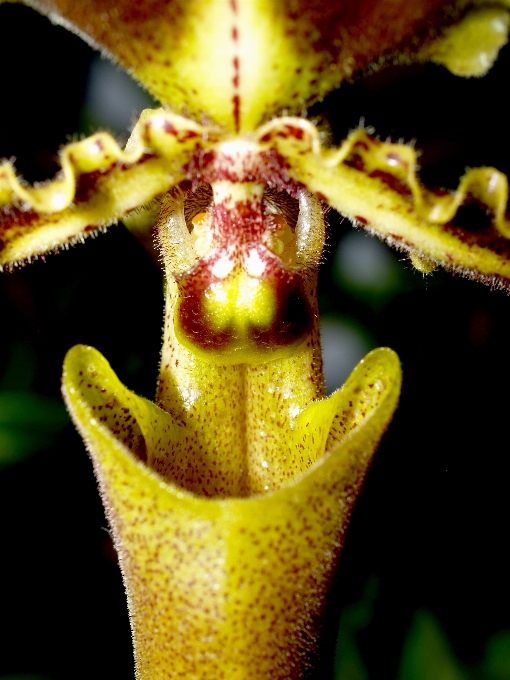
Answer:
(229, 497)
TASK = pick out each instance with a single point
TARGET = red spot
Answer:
(186, 134)
(233, 4)
(356, 162)
(296, 132)
(169, 128)
(90, 227)
(236, 104)
(321, 197)
(266, 137)
(235, 79)
(86, 186)
(358, 218)
(235, 34)
(392, 182)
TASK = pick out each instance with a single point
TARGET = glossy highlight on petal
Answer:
(229, 588)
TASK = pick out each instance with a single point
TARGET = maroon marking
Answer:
(323, 198)
(355, 161)
(236, 104)
(236, 99)
(236, 228)
(11, 215)
(392, 182)
(184, 135)
(86, 186)
(169, 128)
(296, 132)
(266, 167)
(235, 79)
(361, 219)
(292, 320)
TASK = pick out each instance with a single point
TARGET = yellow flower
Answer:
(232, 66)
(228, 498)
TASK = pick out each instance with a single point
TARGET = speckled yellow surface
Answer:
(226, 587)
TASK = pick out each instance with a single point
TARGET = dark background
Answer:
(431, 527)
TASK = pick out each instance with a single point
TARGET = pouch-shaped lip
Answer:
(336, 458)
(237, 585)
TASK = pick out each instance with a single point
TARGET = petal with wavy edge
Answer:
(240, 62)
(231, 588)
(376, 185)
(99, 183)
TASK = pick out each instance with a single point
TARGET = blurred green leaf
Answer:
(348, 663)
(20, 368)
(496, 665)
(28, 422)
(357, 616)
(367, 269)
(427, 654)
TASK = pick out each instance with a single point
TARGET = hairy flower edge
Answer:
(373, 183)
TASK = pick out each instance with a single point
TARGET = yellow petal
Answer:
(376, 185)
(230, 587)
(240, 62)
(99, 183)
(471, 47)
